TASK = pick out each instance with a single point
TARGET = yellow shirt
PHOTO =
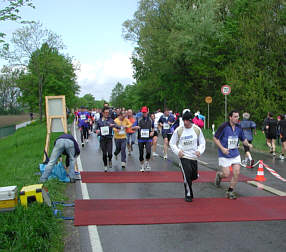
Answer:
(121, 133)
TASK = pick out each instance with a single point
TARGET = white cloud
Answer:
(101, 77)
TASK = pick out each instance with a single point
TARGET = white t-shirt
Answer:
(189, 142)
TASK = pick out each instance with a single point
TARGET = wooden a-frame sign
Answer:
(56, 116)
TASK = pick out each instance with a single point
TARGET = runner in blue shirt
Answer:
(165, 122)
(226, 138)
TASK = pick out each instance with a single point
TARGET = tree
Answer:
(49, 73)
(10, 11)
(116, 97)
(9, 92)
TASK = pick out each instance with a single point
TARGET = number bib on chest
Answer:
(121, 131)
(82, 117)
(232, 142)
(144, 133)
(166, 126)
(104, 130)
(188, 144)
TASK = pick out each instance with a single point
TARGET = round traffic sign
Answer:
(225, 89)
(208, 99)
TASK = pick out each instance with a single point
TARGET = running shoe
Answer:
(82, 144)
(123, 164)
(105, 168)
(142, 169)
(77, 173)
(115, 156)
(147, 166)
(86, 140)
(231, 195)
(251, 163)
(155, 154)
(188, 199)
(165, 156)
(217, 179)
(274, 154)
(282, 157)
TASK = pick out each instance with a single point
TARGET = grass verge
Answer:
(34, 228)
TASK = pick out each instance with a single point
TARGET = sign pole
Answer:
(225, 107)
(208, 115)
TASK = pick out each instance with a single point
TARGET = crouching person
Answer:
(66, 145)
(188, 143)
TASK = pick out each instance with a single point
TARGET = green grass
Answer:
(259, 141)
(33, 228)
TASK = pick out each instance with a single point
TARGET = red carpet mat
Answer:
(172, 210)
(149, 177)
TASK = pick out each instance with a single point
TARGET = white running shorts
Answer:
(227, 162)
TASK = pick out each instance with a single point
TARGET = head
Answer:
(105, 112)
(129, 113)
(121, 115)
(271, 115)
(106, 104)
(167, 112)
(152, 116)
(246, 116)
(233, 117)
(184, 111)
(187, 119)
(144, 111)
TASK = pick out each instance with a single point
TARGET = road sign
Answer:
(208, 100)
(225, 89)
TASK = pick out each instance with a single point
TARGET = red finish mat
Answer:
(149, 177)
(173, 210)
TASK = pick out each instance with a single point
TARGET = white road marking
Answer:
(267, 188)
(92, 229)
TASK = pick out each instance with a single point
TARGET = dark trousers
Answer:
(141, 146)
(106, 147)
(83, 133)
(121, 147)
(189, 170)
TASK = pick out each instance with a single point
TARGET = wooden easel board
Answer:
(56, 116)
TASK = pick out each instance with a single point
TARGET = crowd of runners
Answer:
(181, 132)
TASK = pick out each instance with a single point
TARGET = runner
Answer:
(155, 136)
(130, 132)
(83, 124)
(248, 127)
(104, 130)
(121, 124)
(188, 143)
(271, 132)
(226, 138)
(282, 125)
(145, 129)
(165, 122)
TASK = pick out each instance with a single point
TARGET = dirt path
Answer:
(6, 120)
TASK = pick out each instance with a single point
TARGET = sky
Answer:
(92, 33)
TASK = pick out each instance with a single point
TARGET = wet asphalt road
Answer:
(220, 236)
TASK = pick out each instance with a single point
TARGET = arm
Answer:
(218, 144)
(202, 144)
(173, 144)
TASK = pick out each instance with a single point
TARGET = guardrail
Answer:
(7, 130)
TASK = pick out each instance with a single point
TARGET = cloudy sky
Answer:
(92, 33)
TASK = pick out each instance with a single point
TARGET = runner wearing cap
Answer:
(188, 143)
(145, 128)
(226, 138)
(83, 124)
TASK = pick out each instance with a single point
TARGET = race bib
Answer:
(188, 144)
(121, 131)
(144, 133)
(83, 117)
(166, 126)
(104, 130)
(232, 142)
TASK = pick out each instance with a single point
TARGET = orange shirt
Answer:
(132, 120)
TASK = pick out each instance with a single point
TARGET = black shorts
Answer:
(283, 139)
(246, 148)
(271, 136)
(155, 133)
(167, 136)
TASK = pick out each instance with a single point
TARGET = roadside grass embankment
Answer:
(259, 142)
(7, 120)
(34, 228)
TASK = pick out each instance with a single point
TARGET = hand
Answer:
(225, 151)
(197, 153)
(97, 132)
(250, 145)
(180, 154)
(136, 127)
(151, 133)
